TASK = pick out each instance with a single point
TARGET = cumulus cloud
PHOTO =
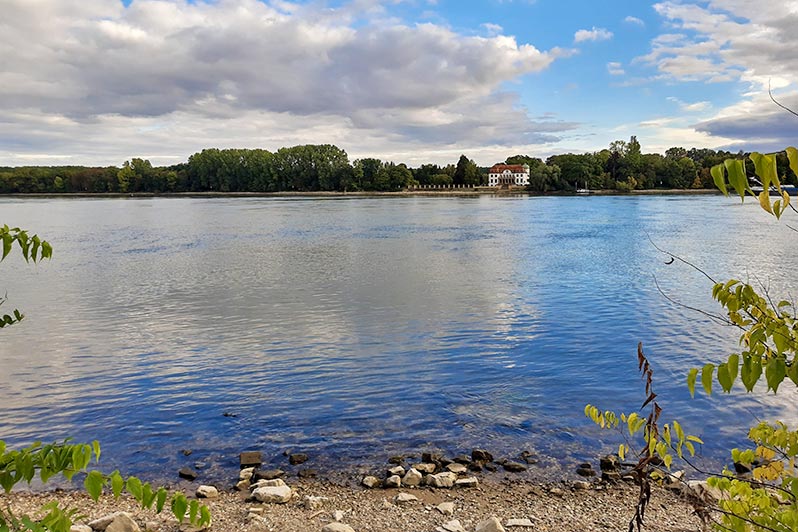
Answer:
(615, 69)
(173, 76)
(634, 20)
(594, 34)
(690, 107)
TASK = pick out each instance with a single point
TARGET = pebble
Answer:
(397, 470)
(80, 528)
(187, 473)
(451, 526)
(370, 482)
(514, 467)
(469, 482)
(481, 455)
(269, 474)
(581, 485)
(313, 503)
(425, 467)
(404, 498)
(338, 515)
(446, 508)
(207, 492)
(242, 485)
(268, 483)
(297, 458)
(393, 481)
(273, 494)
(457, 468)
(585, 472)
(307, 473)
(337, 527)
(557, 492)
(490, 524)
(519, 522)
(246, 473)
(123, 522)
(412, 478)
(102, 523)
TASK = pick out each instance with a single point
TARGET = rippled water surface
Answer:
(357, 328)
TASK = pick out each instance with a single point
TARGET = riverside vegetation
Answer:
(761, 492)
(621, 166)
(69, 459)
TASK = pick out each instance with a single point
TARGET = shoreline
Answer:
(314, 505)
(481, 191)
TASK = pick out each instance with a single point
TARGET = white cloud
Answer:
(690, 107)
(165, 78)
(634, 20)
(594, 34)
(615, 69)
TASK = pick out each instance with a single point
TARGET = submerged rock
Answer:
(187, 473)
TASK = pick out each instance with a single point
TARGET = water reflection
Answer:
(360, 327)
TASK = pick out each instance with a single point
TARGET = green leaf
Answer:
(134, 487)
(765, 168)
(719, 177)
(117, 484)
(691, 377)
(193, 509)
(205, 516)
(160, 499)
(96, 447)
(7, 241)
(733, 366)
(737, 177)
(179, 506)
(706, 377)
(792, 155)
(775, 371)
(751, 371)
(94, 484)
(792, 373)
(724, 378)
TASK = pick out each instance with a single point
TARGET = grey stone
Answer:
(307, 473)
(581, 485)
(585, 472)
(412, 478)
(269, 474)
(462, 459)
(242, 485)
(431, 457)
(80, 528)
(268, 483)
(514, 467)
(207, 492)
(613, 477)
(702, 490)
(246, 473)
(397, 470)
(123, 522)
(446, 508)
(250, 458)
(338, 516)
(425, 467)
(396, 460)
(481, 455)
(370, 482)
(187, 473)
(297, 458)
(404, 499)
(451, 526)
(313, 503)
(557, 492)
(457, 468)
(394, 481)
(337, 527)
(273, 494)
(102, 523)
(519, 522)
(441, 480)
(469, 482)
(490, 467)
(490, 524)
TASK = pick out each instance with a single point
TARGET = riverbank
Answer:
(315, 504)
(437, 193)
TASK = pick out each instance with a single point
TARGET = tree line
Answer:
(325, 167)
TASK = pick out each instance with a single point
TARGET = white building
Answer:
(508, 174)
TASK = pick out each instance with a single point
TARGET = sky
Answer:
(97, 82)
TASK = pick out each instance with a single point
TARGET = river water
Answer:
(357, 328)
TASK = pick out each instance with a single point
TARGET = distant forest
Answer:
(622, 166)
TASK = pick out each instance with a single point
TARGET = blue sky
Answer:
(100, 81)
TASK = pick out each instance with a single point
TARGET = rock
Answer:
(702, 490)
(338, 516)
(585, 472)
(242, 485)
(246, 473)
(403, 499)
(529, 458)
(123, 522)
(337, 527)
(370, 482)
(269, 474)
(462, 459)
(268, 483)
(481, 455)
(490, 525)
(519, 522)
(396, 460)
(187, 473)
(297, 458)
(249, 458)
(431, 458)
(613, 477)
(102, 523)
(581, 485)
(469, 482)
(674, 478)
(186, 452)
(412, 478)
(394, 481)
(152, 526)
(474, 466)
(457, 468)
(610, 462)
(207, 492)
(273, 494)
(307, 473)
(441, 480)
(313, 503)
(557, 492)
(490, 467)
(398, 470)
(425, 467)
(446, 508)
(514, 467)
(80, 528)
(451, 526)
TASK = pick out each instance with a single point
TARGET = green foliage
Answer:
(68, 459)
(33, 249)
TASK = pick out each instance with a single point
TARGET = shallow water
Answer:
(357, 328)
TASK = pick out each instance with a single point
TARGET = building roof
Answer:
(513, 168)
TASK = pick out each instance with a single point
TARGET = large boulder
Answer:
(273, 494)
(442, 480)
(492, 524)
